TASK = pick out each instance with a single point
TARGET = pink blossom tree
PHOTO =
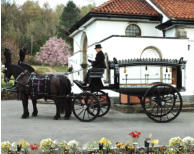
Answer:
(54, 52)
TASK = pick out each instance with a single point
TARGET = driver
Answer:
(98, 63)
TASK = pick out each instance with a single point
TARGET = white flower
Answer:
(188, 141)
(46, 144)
(85, 146)
(63, 145)
(5, 146)
(14, 146)
(73, 144)
(176, 141)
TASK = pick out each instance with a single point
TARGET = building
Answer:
(137, 29)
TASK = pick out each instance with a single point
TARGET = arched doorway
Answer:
(151, 74)
(84, 45)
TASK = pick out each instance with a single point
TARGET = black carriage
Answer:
(161, 100)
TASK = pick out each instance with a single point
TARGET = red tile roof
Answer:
(177, 9)
(126, 7)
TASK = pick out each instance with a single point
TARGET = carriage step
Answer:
(79, 84)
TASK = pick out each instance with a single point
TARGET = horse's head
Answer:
(10, 70)
(7, 74)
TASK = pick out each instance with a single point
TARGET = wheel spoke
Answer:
(153, 108)
(80, 112)
(78, 108)
(84, 114)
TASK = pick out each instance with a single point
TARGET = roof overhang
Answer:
(90, 17)
(172, 23)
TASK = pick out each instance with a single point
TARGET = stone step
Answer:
(137, 108)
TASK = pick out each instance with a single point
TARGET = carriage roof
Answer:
(149, 61)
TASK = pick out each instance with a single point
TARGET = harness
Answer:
(39, 86)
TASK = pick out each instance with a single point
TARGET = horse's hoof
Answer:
(34, 114)
(26, 115)
(56, 117)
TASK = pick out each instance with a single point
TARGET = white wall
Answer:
(102, 29)
(107, 28)
(190, 33)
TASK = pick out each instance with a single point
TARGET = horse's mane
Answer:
(27, 67)
(16, 67)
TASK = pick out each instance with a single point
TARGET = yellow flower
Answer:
(109, 142)
(150, 135)
(120, 145)
(24, 144)
(21, 143)
(103, 141)
(154, 142)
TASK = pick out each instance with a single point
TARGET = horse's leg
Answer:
(25, 107)
(35, 110)
(57, 103)
(68, 108)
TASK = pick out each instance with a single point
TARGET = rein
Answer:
(21, 74)
(16, 80)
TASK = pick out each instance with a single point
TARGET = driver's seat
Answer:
(95, 82)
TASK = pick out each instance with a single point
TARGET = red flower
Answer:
(135, 134)
(34, 146)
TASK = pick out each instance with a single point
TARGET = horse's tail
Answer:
(65, 90)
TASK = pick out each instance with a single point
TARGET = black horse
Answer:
(59, 87)
(57, 83)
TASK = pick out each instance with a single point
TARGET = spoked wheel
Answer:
(162, 103)
(84, 104)
(105, 103)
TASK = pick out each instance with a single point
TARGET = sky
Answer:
(54, 3)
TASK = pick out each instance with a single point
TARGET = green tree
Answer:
(27, 25)
(86, 9)
(69, 16)
(59, 9)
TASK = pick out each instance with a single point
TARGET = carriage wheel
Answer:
(162, 103)
(105, 103)
(84, 104)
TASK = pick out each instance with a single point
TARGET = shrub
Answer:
(54, 52)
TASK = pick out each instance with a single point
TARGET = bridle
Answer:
(19, 76)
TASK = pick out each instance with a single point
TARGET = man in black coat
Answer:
(98, 63)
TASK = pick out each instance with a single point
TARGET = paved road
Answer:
(115, 126)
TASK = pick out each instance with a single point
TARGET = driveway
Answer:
(114, 126)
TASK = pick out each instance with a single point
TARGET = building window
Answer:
(181, 33)
(133, 30)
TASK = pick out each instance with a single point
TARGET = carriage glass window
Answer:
(133, 30)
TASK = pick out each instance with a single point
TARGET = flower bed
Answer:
(103, 146)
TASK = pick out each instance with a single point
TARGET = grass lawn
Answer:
(60, 68)
(45, 68)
